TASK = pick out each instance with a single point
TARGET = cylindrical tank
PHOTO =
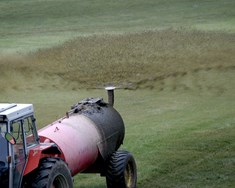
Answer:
(91, 129)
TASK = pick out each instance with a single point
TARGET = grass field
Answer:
(174, 61)
(29, 25)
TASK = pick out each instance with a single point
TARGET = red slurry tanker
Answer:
(86, 140)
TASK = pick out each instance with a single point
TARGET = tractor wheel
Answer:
(52, 173)
(121, 170)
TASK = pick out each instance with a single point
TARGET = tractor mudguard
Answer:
(38, 152)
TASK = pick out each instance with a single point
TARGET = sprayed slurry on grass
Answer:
(157, 59)
(217, 80)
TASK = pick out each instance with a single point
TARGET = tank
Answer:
(89, 133)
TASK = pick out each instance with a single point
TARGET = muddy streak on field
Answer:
(161, 59)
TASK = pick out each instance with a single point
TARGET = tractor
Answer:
(86, 140)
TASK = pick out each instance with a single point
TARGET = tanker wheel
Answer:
(121, 170)
(52, 173)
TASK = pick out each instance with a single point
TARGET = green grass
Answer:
(179, 138)
(29, 25)
(173, 59)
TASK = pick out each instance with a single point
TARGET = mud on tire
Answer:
(52, 172)
(121, 170)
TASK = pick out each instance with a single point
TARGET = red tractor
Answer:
(86, 140)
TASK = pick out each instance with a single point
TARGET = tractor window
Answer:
(19, 153)
(29, 131)
(17, 132)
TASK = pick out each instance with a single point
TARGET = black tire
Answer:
(121, 170)
(52, 173)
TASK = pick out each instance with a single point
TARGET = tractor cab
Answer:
(17, 135)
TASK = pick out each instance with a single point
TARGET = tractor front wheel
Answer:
(52, 173)
(121, 170)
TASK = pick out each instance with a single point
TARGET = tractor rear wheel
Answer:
(121, 170)
(52, 173)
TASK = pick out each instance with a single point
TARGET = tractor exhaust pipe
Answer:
(110, 91)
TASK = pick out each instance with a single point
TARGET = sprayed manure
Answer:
(154, 59)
